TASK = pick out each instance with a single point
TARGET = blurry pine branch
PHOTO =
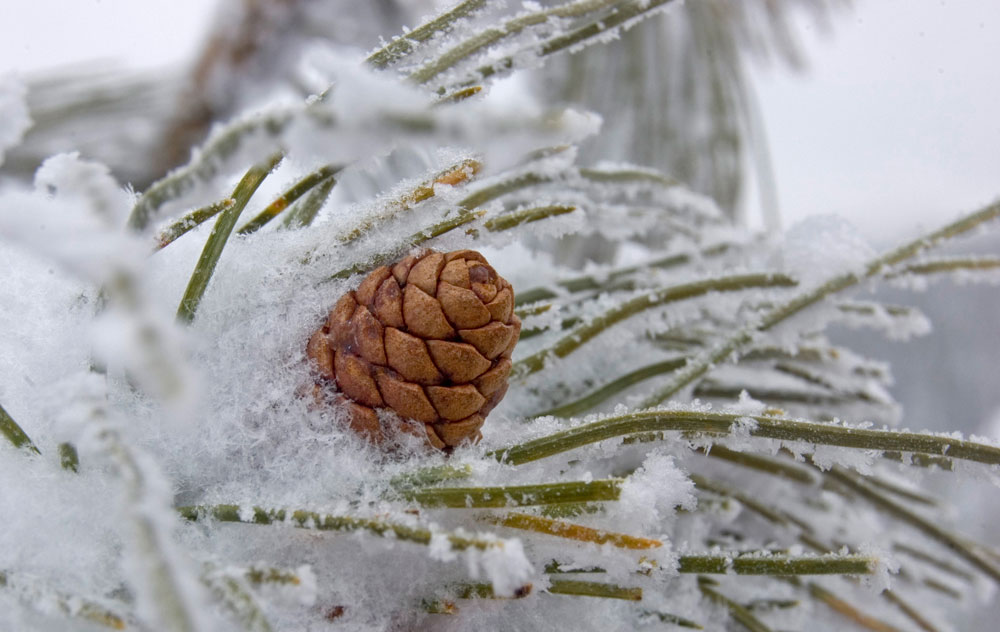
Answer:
(672, 91)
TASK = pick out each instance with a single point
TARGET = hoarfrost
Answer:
(653, 493)
(504, 565)
(821, 246)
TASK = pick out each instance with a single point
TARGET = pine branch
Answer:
(699, 365)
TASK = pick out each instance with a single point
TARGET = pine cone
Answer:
(429, 338)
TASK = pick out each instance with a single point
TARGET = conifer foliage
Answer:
(680, 445)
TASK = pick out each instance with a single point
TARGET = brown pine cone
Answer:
(429, 338)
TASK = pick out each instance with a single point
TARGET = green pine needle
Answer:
(18, 438)
(220, 235)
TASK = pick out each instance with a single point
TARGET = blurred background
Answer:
(884, 112)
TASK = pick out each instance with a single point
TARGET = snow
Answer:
(218, 412)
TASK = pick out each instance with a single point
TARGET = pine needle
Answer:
(220, 235)
(568, 530)
(14, 434)
(767, 427)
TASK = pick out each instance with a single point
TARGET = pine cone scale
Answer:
(424, 316)
(459, 361)
(428, 338)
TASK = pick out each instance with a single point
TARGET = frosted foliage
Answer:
(674, 417)
(819, 246)
(14, 117)
(654, 491)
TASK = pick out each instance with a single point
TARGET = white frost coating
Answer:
(68, 176)
(14, 117)
(821, 246)
(504, 565)
(440, 548)
(169, 595)
(654, 492)
(307, 588)
(885, 567)
(72, 216)
(896, 323)
(748, 406)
